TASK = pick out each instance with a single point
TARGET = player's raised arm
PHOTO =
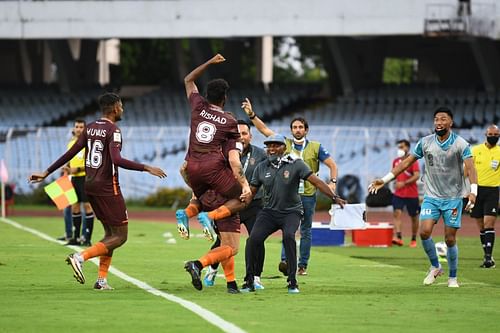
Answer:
(68, 155)
(377, 184)
(259, 124)
(189, 80)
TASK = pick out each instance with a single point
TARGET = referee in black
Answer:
(487, 162)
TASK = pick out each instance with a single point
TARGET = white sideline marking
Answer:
(211, 317)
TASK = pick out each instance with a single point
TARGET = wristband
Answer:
(387, 178)
(333, 180)
(252, 116)
(473, 189)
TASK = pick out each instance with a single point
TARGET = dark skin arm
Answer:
(189, 80)
(325, 189)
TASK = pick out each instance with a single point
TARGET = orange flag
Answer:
(62, 192)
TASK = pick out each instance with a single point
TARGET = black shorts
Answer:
(79, 185)
(412, 204)
(486, 202)
(109, 210)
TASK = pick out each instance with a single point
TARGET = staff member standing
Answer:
(312, 153)
(279, 177)
(486, 160)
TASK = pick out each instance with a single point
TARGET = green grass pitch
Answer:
(348, 289)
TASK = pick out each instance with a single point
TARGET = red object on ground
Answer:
(376, 235)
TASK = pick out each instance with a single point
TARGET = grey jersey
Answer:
(443, 173)
(249, 161)
(280, 184)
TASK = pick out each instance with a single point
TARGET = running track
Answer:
(469, 227)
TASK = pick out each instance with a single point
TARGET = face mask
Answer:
(441, 132)
(492, 140)
(401, 153)
(299, 141)
(273, 158)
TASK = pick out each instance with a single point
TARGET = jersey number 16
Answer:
(94, 155)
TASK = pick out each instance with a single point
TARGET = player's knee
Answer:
(88, 208)
(122, 239)
(234, 250)
(425, 234)
(450, 240)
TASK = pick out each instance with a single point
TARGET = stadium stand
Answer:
(396, 107)
(170, 107)
(31, 108)
(365, 127)
(360, 151)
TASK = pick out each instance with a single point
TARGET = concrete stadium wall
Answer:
(213, 18)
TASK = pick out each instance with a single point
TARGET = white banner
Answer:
(352, 216)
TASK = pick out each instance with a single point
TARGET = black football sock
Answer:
(489, 241)
(77, 225)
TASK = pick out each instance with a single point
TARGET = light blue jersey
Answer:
(444, 172)
(444, 181)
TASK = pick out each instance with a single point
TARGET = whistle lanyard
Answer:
(301, 152)
(245, 166)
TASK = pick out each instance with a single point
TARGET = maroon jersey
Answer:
(101, 176)
(211, 127)
(103, 142)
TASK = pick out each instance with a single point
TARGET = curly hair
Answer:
(217, 91)
(444, 109)
(107, 101)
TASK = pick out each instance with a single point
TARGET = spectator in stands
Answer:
(76, 169)
(487, 161)
(445, 154)
(251, 156)
(282, 209)
(464, 8)
(405, 194)
(312, 152)
(464, 13)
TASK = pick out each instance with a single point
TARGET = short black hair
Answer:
(405, 142)
(217, 90)
(79, 121)
(302, 120)
(444, 109)
(107, 101)
(244, 122)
